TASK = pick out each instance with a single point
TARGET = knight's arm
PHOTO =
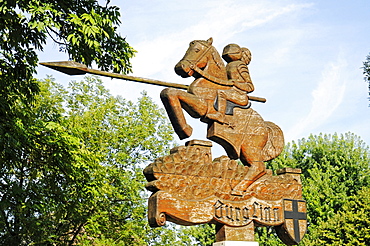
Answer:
(246, 84)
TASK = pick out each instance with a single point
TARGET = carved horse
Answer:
(203, 62)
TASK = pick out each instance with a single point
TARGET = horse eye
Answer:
(197, 50)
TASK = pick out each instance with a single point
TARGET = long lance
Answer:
(75, 68)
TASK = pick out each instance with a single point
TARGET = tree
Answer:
(349, 226)
(34, 140)
(83, 29)
(366, 72)
(77, 176)
(37, 174)
(123, 136)
(335, 171)
(201, 234)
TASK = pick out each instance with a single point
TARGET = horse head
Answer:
(202, 54)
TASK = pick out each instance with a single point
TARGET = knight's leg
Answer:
(221, 104)
(237, 96)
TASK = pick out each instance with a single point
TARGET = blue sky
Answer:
(306, 56)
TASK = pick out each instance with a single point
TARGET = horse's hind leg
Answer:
(251, 155)
(255, 171)
(174, 100)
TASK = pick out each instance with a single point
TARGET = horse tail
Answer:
(275, 142)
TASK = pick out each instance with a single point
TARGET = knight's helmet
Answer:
(232, 52)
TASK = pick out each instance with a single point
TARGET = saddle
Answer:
(230, 106)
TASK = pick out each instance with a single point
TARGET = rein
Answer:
(201, 55)
(211, 78)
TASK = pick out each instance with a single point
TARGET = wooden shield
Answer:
(295, 222)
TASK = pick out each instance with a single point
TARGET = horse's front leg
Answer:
(174, 100)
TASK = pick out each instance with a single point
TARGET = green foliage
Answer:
(48, 170)
(76, 176)
(266, 236)
(38, 177)
(335, 169)
(122, 136)
(350, 226)
(201, 234)
(84, 29)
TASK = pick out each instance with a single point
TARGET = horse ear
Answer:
(210, 41)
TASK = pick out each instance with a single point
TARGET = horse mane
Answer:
(217, 58)
(221, 74)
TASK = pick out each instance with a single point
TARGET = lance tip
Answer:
(67, 67)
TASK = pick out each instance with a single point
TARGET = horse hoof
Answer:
(185, 132)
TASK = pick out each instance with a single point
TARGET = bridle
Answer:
(211, 78)
(193, 63)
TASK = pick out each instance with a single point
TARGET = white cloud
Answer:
(222, 20)
(326, 99)
(225, 21)
(268, 12)
(290, 41)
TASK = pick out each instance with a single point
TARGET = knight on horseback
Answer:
(245, 136)
(238, 73)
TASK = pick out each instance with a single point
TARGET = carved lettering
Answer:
(245, 214)
(229, 212)
(276, 215)
(267, 214)
(239, 215)
(218, 209)
(261, 213)
(255, 207)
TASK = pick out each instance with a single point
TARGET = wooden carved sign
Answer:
(190, 188)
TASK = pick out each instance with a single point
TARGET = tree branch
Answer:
(48, 29)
